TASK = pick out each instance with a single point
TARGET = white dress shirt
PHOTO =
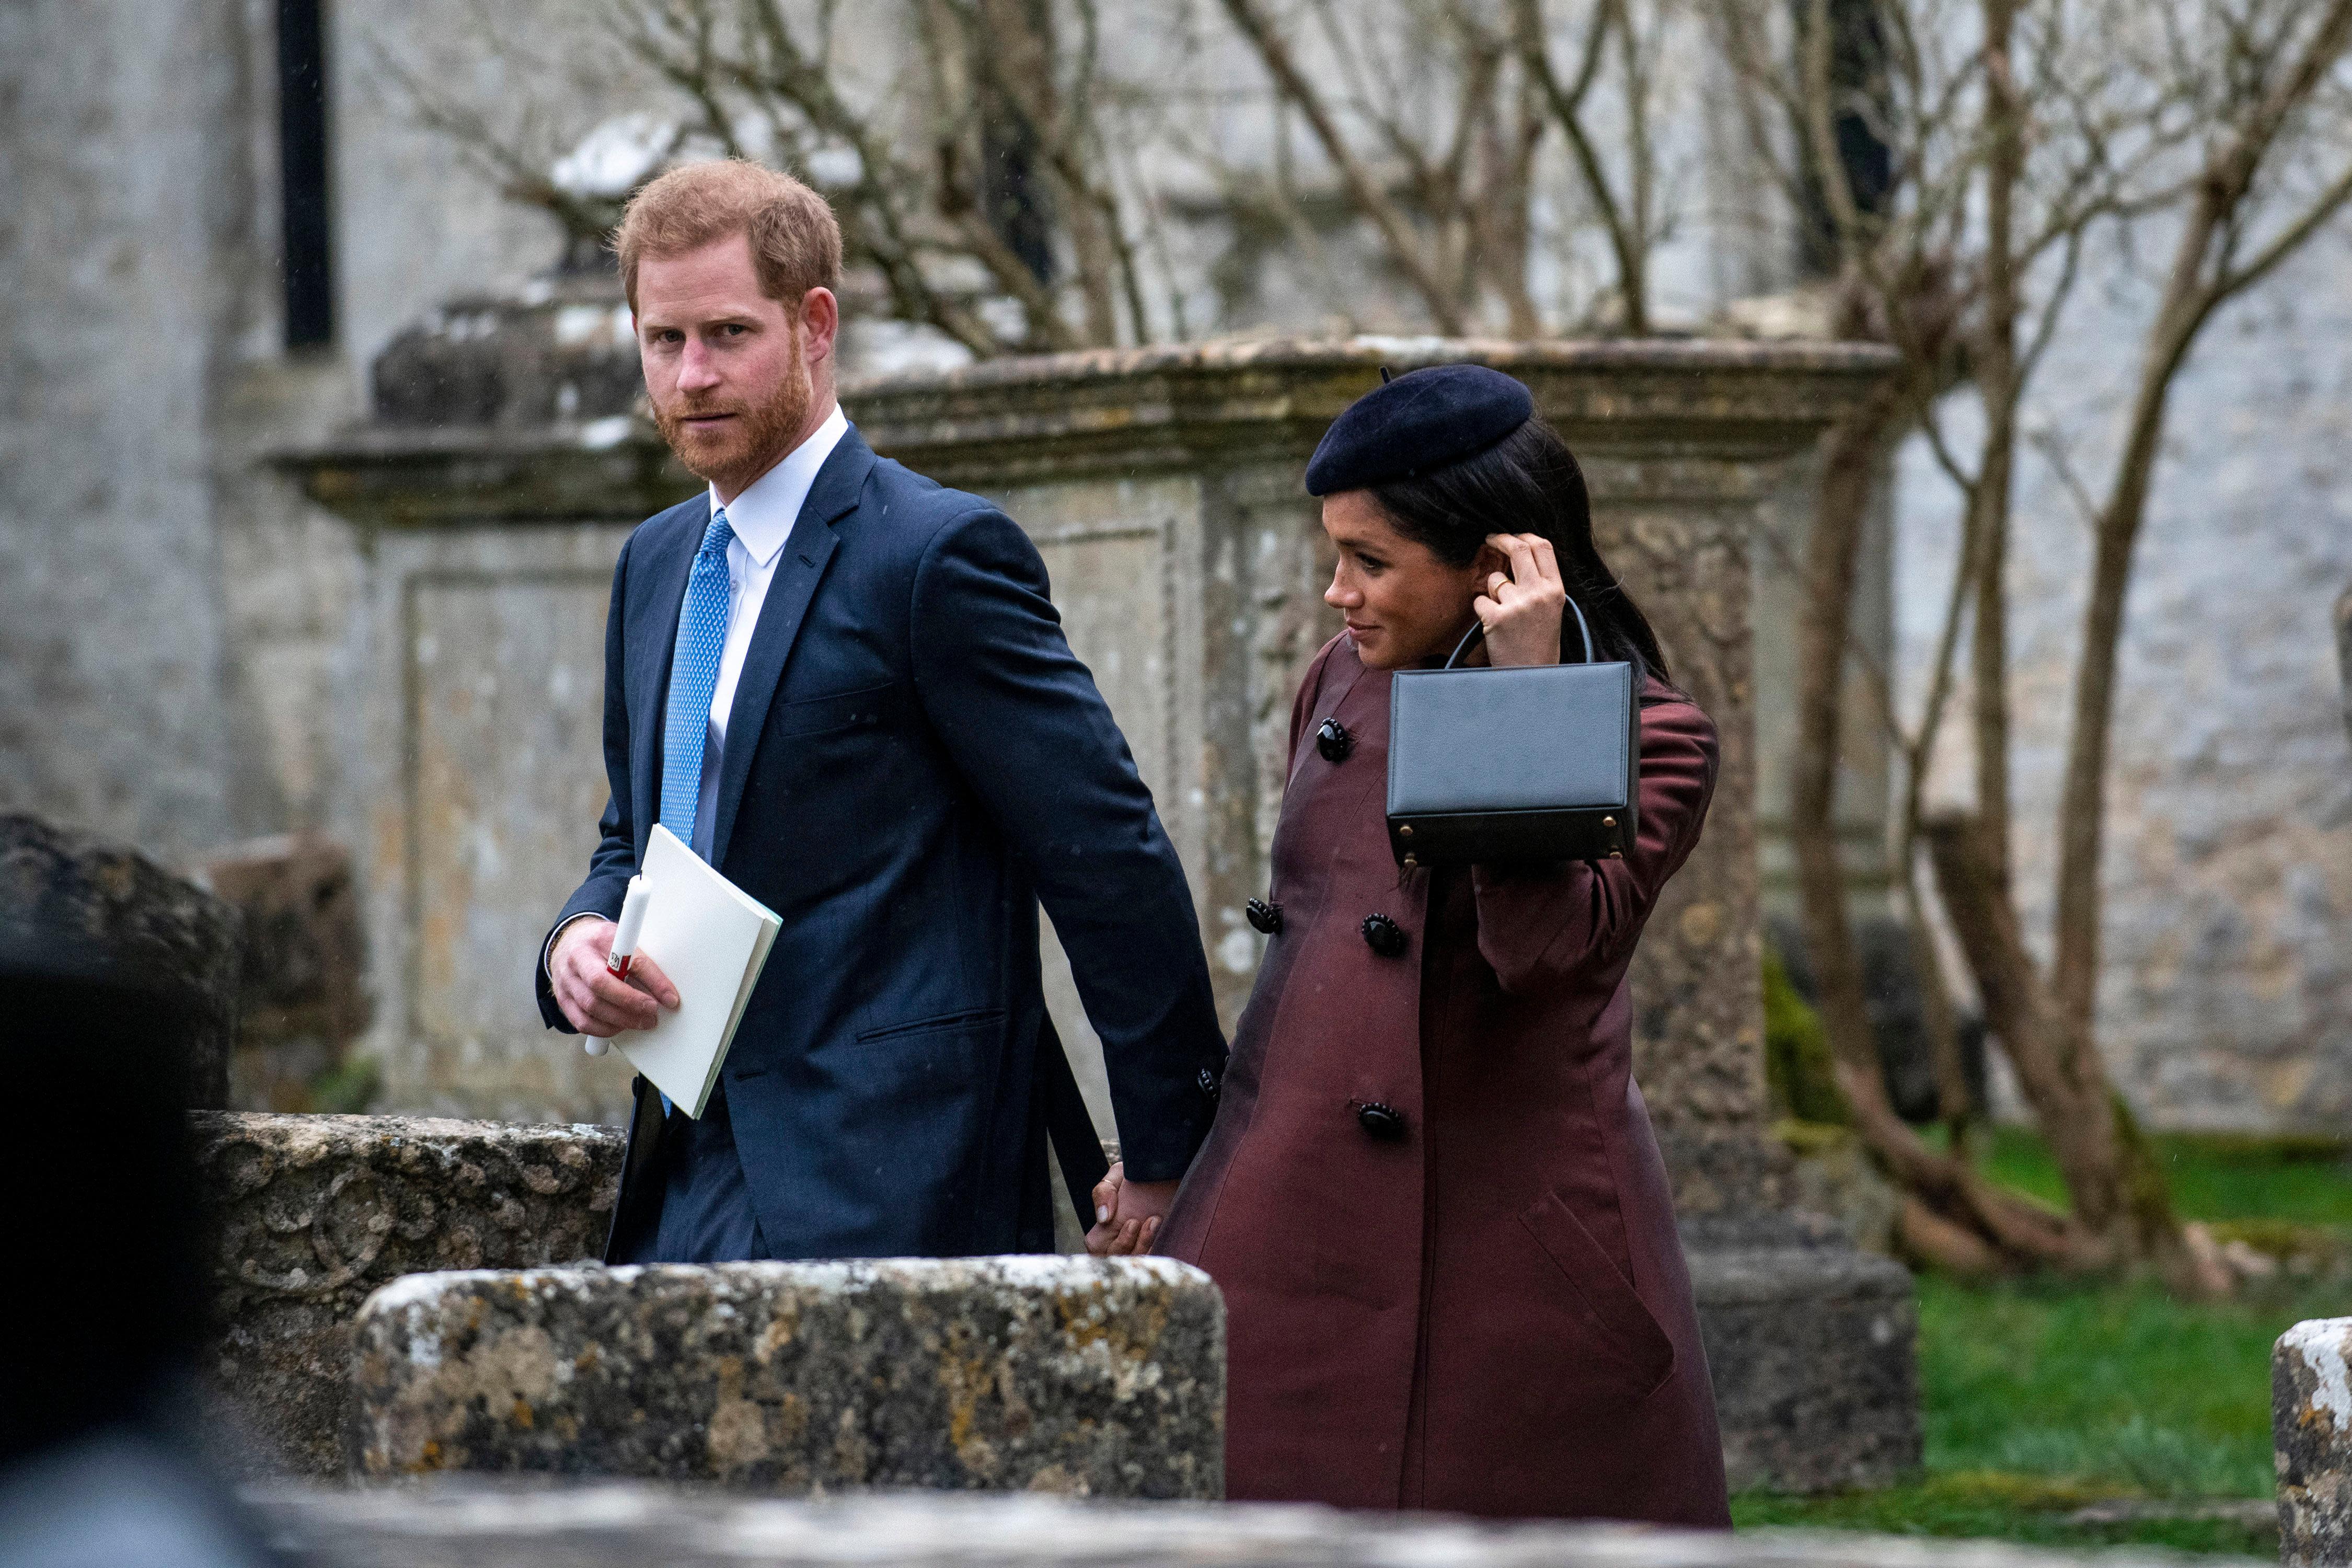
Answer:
(762, 519)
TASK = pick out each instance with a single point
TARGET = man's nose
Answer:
(696, 369)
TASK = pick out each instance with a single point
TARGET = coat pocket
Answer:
(968, 1018)
(1621, 1324)
(869, 707)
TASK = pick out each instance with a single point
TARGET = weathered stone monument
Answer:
(1083, 1376)
(1162, 488)
(2311, 1424)
(106, 913)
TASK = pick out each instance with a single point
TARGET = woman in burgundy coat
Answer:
(1432, 1196)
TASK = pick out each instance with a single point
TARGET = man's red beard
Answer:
(733, 454)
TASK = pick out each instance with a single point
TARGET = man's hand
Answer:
(1128, 1214)
(597, 1001)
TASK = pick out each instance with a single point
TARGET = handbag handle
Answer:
(1478, 632)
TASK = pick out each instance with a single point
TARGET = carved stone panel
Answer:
(1110, 547)
(310, 1214)
(505, 782)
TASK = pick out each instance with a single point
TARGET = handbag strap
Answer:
(1477, 632)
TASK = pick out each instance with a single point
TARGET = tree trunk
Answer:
(1963, 1222)
(1997, 390)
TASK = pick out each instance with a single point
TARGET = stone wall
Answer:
(122, 239)
(2225, 996)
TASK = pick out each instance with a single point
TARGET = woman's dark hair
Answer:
(1527, 482)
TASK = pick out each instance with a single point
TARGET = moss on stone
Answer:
(1797, 1067)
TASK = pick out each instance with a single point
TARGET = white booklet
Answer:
(711, 939)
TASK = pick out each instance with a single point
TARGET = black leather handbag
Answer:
(1526, 763)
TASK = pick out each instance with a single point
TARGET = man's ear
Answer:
(821, 320)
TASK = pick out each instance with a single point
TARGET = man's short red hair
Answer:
(795, 238)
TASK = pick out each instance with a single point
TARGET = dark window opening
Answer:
(1013, 194)
(307, 228)
(1858, 119)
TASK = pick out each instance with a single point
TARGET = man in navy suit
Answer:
(847, 689)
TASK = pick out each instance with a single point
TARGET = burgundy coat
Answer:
(1486, 1312)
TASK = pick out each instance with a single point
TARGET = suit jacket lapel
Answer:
(806, 552)
(655, 633)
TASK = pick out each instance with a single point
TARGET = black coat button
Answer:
(1385, 1122)
(1209, 1084)
(1267, 916)
(1383, 935)
(1334, 742)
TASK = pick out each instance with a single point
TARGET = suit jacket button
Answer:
(1383, 1121)
(1334, 742)
(1209, 1084)
(1383, 935)
(1267, 916)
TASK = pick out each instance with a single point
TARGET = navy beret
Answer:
(1422, 419)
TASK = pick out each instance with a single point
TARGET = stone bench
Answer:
(1091, 1377)
(2311, 1424)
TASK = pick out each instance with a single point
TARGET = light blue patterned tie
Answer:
(693, 677)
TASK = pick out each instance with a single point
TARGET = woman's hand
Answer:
(1128, 1214)
(1522, 607)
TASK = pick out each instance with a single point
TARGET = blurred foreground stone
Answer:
(2311, 1423)
(312, 1213)
(1067, 1374)
(629, 1526)
(76, 905)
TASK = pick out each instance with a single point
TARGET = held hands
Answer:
(1522, 606)
(1128, 1214)
(595, 1000)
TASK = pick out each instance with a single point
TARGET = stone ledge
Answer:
(1068, 1374)
(627, 1526)
(311, 1213)
(2311, 1424)
(1117, 413)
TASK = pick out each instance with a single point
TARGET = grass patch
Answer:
(2040, 1397)
(2215, 1176)
(2118, 1387)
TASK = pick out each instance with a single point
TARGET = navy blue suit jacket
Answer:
(913, 760)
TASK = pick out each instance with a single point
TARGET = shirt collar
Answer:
(763, 516)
